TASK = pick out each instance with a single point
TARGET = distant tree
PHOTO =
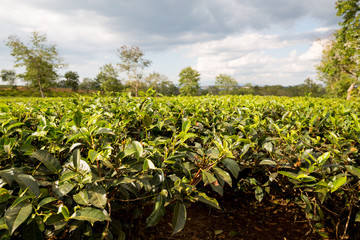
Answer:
(212, 90)
(8, 76)
(89, 84)
(161, 84)
(189, 81)
(40, 59)
(72, 80)
(225, 83)
(133, 64)
(108, 79)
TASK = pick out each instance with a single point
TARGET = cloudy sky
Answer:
(261, 42)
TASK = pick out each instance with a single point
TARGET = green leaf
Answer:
(7, 175)
(93, 155)
(97, 195)
(75, 145)
(28, 181)
(357, 217)
(21, 199)
(268, 162)
(15, 216)
(76, 158)
(48, 160)
(62, 189)
(138, 149)
(66, 176)
(288, 174)
(179, 217)
(64, 211)
(82, 198)
(77, 119)
(147, 120)
(186, 126)
(148, 164)
(91, 215)
(172, 159)
(208, 200)
(105, 131)
(46, 201)
(322, 159)
(268, 147)
(4, 195)
(3, 224)
(353, 170)
(245, 150)
(232, 166)
(158, 212)
(207, 177)
(259, 194)
(273, 176)
(225, 176)
(186, 136)
(338, 183)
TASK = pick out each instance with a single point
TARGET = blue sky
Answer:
(255, 41)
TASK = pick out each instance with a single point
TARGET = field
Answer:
(105, 168)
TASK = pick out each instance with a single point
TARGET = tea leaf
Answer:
(179, 217)
(15, 216)
(48, 160)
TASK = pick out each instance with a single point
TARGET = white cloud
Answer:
(247, 59)
(252, 40)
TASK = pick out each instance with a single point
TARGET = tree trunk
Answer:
(41, 89)
(349, 91)
(136, 88)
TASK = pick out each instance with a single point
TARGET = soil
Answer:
(240, 218)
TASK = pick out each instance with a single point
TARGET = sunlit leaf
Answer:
(97, 195)
(338, 183)
(91, 215)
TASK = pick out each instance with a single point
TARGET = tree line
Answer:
(338, 70)
(41, 61)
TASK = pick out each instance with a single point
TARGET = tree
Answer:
(189, 81)
(72, 80)
(89, 84)
(225, 83)
(108, 79)
(8, 76)
(339, 67)
(40, 59)
(133, 64)
(161, 84)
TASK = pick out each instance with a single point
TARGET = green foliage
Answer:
(72, 80)
(189, 82)
(8, 76)
(86, 165)
(108, 79)
(161, 84)
(225, 83)
(339, 67)
(39, 58)
(133, 63)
